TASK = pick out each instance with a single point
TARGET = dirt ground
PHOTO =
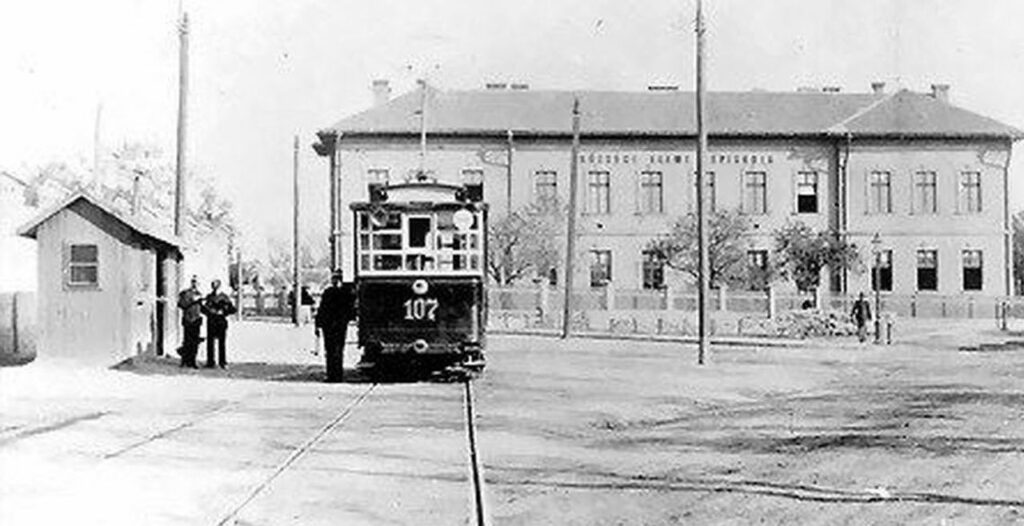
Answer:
(578, 432)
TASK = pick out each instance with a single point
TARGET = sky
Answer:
(262, 71)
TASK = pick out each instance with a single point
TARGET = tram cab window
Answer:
(419, 231)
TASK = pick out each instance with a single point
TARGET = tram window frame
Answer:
(446, 250)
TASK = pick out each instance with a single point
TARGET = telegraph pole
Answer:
(703, 339)
(179, 166)
(570, 242)
(296, 297)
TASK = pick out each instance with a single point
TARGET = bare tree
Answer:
(802, 253)
(527, 242)
(727, 253)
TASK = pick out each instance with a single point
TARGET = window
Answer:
(807, 193)
(473, 180)
(927, 270)
(970, 192)
(545, 186)
(881, 271)
(651, 193)
(880, 193)
(754, 193)
(653, 271)
(972, 269)
(378, 175)
(600, 267)
(924, 187)
(597, 193)
(83, 265)
(423, 242)
(709, 182)
(757, 261)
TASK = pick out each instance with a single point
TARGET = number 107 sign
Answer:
(420, 309)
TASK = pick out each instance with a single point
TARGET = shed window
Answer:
(83, 265)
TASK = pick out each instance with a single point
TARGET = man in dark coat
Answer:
(217, 308)
(861, 314)
(190, 302)
(337, 309)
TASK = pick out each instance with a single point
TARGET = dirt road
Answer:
(579, 432)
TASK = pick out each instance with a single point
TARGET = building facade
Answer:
(918, 184)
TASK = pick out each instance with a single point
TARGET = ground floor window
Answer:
(757, 263)
(972, 265)
(653, 271)
(600, 267)
(881, 271)
(927, 270)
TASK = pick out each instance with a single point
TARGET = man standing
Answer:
(861, 314)
(190, 302)
(337, 309)
(217, 308)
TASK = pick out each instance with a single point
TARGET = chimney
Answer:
(136, 181)
(662, 88)
(494, 86)
(878, 87)
(381, 92)
(831, 89)
(940, 92)
(520, 86)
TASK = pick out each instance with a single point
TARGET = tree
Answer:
(1018, 252)
(527, 242)
(802, 253)
(727, 253)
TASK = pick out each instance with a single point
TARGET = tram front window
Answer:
(419, 232)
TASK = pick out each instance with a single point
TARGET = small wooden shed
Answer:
(103, 280)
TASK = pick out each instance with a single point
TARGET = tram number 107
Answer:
(420, 309)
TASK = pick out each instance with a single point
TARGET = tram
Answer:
(420, 263)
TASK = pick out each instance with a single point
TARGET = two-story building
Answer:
(917, 183)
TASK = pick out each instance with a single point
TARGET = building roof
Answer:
(672, 113)
(29, 229)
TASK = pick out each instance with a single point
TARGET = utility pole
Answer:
(570, 242)
(508, 172)
(96, 148)
(703, 339)
(179, 166)
(296, 297)
(423, 127)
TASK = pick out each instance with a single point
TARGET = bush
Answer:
(814, 323)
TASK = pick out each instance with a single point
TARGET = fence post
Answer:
(970, 308)
(771, 302)
(1003, 311)
(667, 291)
(943, 307)
(545, 299)
(913, 306)
(609, 296)
(722, 298)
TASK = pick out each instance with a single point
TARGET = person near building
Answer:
(190, 301)
(861, 315)
(337, 309)
(306, 305)
(217, 307)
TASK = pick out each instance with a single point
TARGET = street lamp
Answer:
(876, 244)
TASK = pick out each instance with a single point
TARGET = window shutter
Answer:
(794, 192)
(914, 206)
(867, 193)
(65, 263)
(742, 194)
(638, 193)
(958, 191)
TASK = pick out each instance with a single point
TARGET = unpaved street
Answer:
(579, 432)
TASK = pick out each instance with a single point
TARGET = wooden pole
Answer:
(238, 282)
(179, 166)
(570, 234)
(702, 219)
(296, 297)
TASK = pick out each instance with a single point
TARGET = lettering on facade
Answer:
(674, 158)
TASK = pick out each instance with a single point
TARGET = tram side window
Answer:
(419, 232)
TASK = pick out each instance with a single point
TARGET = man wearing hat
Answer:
(337, 309)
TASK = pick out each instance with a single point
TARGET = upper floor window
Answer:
(880, 193)
(972, 267)
(83, 265)
(924, 193)
(755, 193)
(600, 267)
(651, 193)
(807, 193)
(881, 271)
(970, 192)
(709, 193)
(653, 271)
(927, 270)
(598, 198)
(545, 185)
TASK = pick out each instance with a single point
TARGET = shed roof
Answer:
(29, 229)
(672, 113)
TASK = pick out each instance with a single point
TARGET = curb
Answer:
(751, 341)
